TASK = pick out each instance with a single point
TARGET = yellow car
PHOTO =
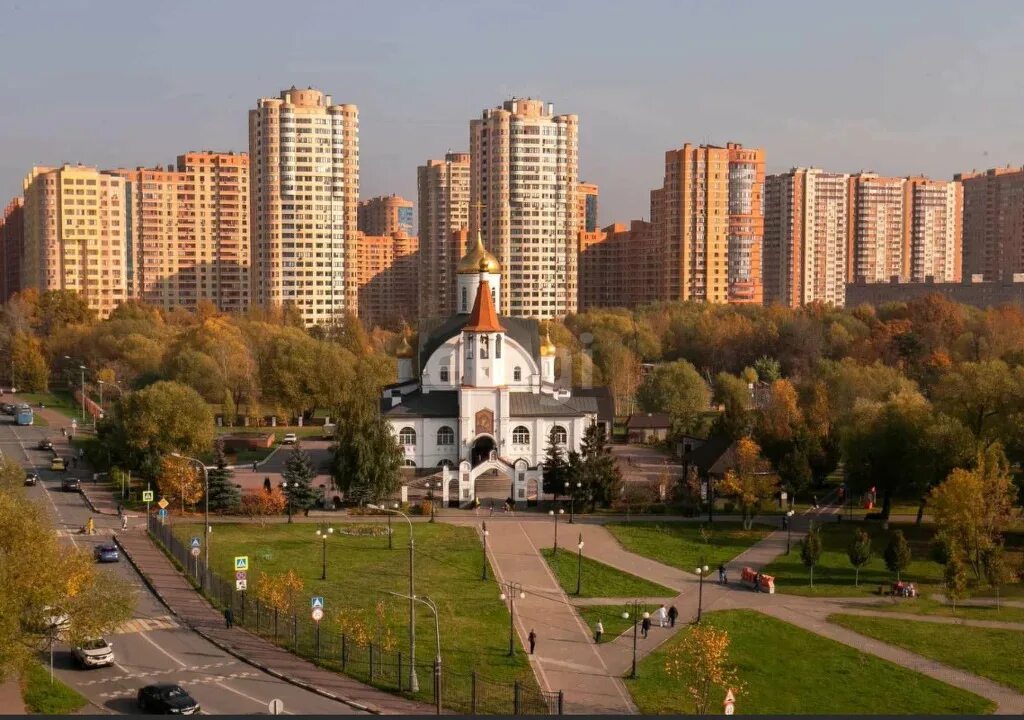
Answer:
(57, 464)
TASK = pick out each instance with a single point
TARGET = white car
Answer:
(94, 653)
(290, 439)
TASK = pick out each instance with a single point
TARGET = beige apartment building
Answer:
(12, 247)
(805, 236)
(304, 180)
(76, 234)
(443, 192)
(586, 203)
(385, 215)
(523, 188)
(709, 214)
(877, 246)
(190, 232)
(993, 223)
(387, 272)
(619, 266)
(932, 218)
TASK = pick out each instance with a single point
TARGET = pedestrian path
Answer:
(11, 702)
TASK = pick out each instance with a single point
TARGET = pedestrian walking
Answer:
(64, 432)
(532, 637)
(229, 618)
(120, 509)
(255, 466)
(645, 627)
(662, 616)
(598, 631)
(721, 573)
(673, 613)
(491, 513)
(124, 522)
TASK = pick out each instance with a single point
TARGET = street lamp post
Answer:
(206, 511)
(579, 564)
(83, 369)
(509, 592)
(701, 572)
(101, 384)
(414, 683)
(430, 497)
(485, 533)
(789, 529)
(572, 491)
(437, 639)
(625, 616)
(287, 497)
(323, 535)
(555, 515)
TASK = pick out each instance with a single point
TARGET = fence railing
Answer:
(464, 693)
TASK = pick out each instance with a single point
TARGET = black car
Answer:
(70, 485)
(31, 479)
(45, 444)
(166, 700)
(7, 409)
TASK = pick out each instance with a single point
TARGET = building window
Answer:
(445, 436)
(465, 300)
(521, 435)
(485, 344)
(410, 463)
(444, 374)
(497, 346)
(407, 436)
(560, 436)
(517, 374)
(469, 347)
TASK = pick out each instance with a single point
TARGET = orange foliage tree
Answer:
(701, 664)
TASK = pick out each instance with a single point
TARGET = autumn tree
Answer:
(897, 554)
(859, 553)
(29, 371)
(678, 389)
(749, 482)
(700, 663)
(954, 580)
(732, 394)
(811, 549)
(367, 457)
(985, 396)
(263, 504)
(179, 479)
(996, 569)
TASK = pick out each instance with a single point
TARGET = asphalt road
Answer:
(151, 647)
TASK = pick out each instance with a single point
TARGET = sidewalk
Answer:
(10, 697)
(187, 604)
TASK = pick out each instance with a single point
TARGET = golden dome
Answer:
(404, 350)
(478, 260)
(547, 348)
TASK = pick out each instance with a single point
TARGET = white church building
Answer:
(485, 399)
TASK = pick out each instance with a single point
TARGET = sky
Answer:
(896, 87)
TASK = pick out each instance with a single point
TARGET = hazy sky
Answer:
(896, 86)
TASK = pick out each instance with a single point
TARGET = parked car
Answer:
(7, 409)
(166, 700)
(31, 479)
(290, 439)
(57, 464)
(70, 485)
(44, 444)
(94, 653)
(106, 553)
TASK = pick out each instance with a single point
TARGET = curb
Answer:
(230, 651)
(92, 506)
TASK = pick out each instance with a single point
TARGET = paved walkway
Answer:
(10, 698)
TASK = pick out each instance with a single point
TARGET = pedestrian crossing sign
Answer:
(195, 542)
(147, 496)
(241, 562)
(318, 603)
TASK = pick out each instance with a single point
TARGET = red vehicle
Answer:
(758, 581)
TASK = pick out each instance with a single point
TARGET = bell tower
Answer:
(483, 338)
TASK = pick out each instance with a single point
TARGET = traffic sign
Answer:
(195, 552)
(163, 503)
(241, 585)
(161, 513)
(317, 602)
(730, 703)
(195, 542)
(147, 496)
(318, 614)
(240, 575)
(275, 706)
(241, 562)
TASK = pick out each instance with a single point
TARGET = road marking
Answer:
(46, 490)
(262, 703)
(148, 639)
(141, 625)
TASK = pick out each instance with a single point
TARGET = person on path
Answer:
(229, 618)
(645, 627)
(120, 509)
(673, 613)
(722, 578)
(491, 514)
(598, 631)
(532, 637)
(662, 616)
(124, 521)
(90, 527)
(255, 466)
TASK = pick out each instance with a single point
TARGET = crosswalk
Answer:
(184, 682)
(140, 625)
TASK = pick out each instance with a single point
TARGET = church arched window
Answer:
(521, 435)
(497, 346)
(410, 463)
(517, 374)
(445, 436)
(469, 347)
(444, 374)
(407, 436)
(485, 344)
(559, 435)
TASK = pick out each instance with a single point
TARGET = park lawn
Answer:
(60, 401)
(991, 653)
(681, 545)
(927, 606)
(45, 698)
(611, 617)
(834, 576)
(598, 580)
(787, 670)
(474, 621)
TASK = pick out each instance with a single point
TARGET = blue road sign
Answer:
(195, 542)
(317, 603)
(161, 513)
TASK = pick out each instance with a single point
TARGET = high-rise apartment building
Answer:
(304, 180)
(619, 266)
(385, 215)
(993, 223)
(387, 271)
(443, 191)
(190, 232)
(523, 187)
(586, 200)
(12, 247)
(932, 216)
(805, 236)
(709, 214)
(76, 234)
(877, 246)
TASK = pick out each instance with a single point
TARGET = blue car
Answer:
(106, 553)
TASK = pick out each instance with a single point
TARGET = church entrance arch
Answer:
(481, 450)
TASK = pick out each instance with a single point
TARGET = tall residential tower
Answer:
(443, 191)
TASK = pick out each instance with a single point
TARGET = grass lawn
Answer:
(306, 431)
(45, 698)
(787, 670)
(473, 620)
(834, 576)
(926, 606)
(598, 580)
(611, 617)
(61, 401)
(994, 654)
(682, 545)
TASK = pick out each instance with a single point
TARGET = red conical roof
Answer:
(483, 318)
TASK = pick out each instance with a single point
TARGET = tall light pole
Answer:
(509, 592)
(323, 535)
(287, 497)
(561, 511)
(579, 564)
(101, 384)
(485, 532)
(206, 504)
(701, 572)
(571, 491)
(636, 619)
(414, 683)
(83, 369)
(430, 496)
(789, 529)
(437, 639)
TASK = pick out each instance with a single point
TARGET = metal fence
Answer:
(368, 662)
